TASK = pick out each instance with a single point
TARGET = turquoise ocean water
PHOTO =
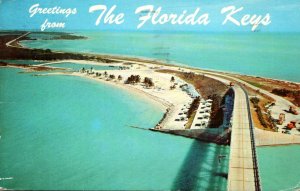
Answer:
(76, 67)
(274, 55)
(279, 167)
(62, 132)
(87, 143)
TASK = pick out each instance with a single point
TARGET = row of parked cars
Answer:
(202, 117)
(182, 115)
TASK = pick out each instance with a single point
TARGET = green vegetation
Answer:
(194, 107)
(256, 84)
(262, 121)
(191, 113)
(209, 89)
(67, 37)
(148, 82)
(217, 116)
(190, 120)
(189, 75)
(120, 77)
(35, 68)
(11, 53)
(112, 76)
(172, 79)
(285, 92)
(254, 100)
(133, 79)
(172, 87)
(98, 74)
(293, 94)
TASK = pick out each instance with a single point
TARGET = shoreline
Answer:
(111, 59)
(169, 104)
(143, 59)
(278, 145)
(162, 104)
(205, 135)
(267, 138)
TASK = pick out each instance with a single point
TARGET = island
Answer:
(198, 103)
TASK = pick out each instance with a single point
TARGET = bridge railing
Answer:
(254, 154)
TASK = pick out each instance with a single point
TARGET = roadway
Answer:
(281, 104)
(243, 168)
(10, 42)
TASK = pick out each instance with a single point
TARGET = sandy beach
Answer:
(176, 100)
(172, 100)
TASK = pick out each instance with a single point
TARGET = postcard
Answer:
(149, 95)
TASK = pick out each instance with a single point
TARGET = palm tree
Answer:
(148, 82)
(138, 79)
(112, 76)
(172, 79)
(120, 78)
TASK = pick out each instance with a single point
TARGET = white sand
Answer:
(175, 99)
(160, 93)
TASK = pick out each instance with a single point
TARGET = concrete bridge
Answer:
(243, 172)
(243, 168)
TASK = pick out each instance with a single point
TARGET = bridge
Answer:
(243, 167)
(243, 174)
(243, 171)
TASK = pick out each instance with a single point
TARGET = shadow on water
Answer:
(206, 165)
(202, 170)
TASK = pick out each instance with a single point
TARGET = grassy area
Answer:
(192, 112)
(262, 122)
(33, 68)
(256, 84)
(190, 120)
(287, 90)
(260, 115)
(12, 53)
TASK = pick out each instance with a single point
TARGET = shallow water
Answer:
(113, 156)
(27, 62)
(274, 55)
(63, 132)
(279, 167)
(77, 67)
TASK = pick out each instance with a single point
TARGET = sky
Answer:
(284, 15)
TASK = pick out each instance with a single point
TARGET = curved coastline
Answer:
(123, 59)
(170, 61)
(142, 59)
(163, 104)
(157, 101)
(264, 138)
